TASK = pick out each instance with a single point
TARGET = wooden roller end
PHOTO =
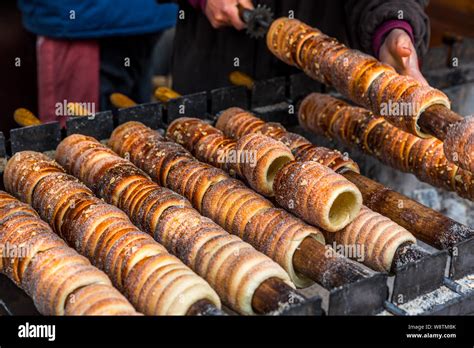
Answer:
(240, 79)
(204, 307)
(165, 94)
(25, 117)
(120, 100)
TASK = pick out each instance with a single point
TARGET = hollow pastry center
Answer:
(274, 167)
(345, 207)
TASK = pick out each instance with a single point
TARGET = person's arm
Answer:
(395, 31)
(222, 13)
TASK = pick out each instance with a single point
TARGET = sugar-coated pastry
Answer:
(354, 74)
(424, 158)
(376, 236)
(317, 194)
(56, 277)
(227, 201)
(105, 235)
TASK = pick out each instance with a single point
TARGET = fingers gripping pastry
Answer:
(377, 236)
(107, 237)
(354, 74)
(54, 275)
(317, 194)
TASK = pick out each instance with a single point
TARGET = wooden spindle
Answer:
(426, 224)
(437, 119)
(327, 268)
(273, 294)
(204, 307)
(407, 253)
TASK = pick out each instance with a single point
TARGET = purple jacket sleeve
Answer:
(383, 30)
(198, 4)
(364, 18)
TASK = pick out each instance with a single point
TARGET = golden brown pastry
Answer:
(376, 236)
(354, 74)
(36, 165)
(106, 236)
(278, 234)
(51, 273)
(236, 123)
(262, 158)
(458, 145)
(229, 203)
(424, 158)
(317, 194)
(254, 157)
(233, 268)
(259, 159)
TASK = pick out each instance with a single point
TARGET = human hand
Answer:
(399, 52)
(224, 13)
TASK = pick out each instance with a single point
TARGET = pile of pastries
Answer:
(154, 281)
(319, 196)
(232, 267)
(243, 212)
(57, 278)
